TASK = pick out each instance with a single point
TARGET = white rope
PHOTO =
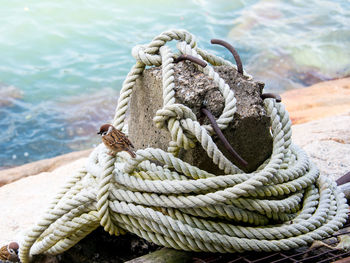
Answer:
(175, 204)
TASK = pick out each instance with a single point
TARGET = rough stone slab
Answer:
(45, 165)
(22, 202)
(248, 134)
(327, 142)
(318, 101)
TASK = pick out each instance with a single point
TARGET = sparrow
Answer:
(9, 252)
(115, 140)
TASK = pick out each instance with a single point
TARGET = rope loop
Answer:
(174, 111)
(284, 204)
(148, 54)
(103, 196)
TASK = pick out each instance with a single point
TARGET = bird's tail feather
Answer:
(132, 153)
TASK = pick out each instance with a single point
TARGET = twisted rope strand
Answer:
(172, 203)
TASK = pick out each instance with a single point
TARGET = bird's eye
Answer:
(104, 133)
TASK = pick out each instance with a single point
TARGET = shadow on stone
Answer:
(100, 247)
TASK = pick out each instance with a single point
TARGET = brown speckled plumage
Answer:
(9, 252)
(115, 140)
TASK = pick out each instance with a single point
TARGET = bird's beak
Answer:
(99, 132)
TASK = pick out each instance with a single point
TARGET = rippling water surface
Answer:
(63, 62)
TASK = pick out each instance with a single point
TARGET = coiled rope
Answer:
(284, 204)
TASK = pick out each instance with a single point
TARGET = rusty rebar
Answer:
(210, 115)
(198, 61)
(344, 179)
(223, 138)
(233, 52)
(275, 96)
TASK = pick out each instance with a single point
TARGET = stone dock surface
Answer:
(323, 134)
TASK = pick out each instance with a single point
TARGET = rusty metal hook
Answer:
(210, 115)
(233, 52)
(344, 179)
(198, 61)
(275, 96)
(221, 136)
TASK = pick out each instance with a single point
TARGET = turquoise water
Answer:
(63, 62)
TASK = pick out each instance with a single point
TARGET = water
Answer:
(63, 62)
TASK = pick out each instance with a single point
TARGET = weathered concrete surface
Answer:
(46, 165)
(248, 133)
(327, 142)
(22, 202)
(318, 101)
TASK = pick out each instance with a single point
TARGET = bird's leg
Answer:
(111, 153)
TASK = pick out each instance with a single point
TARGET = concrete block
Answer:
(249, 132)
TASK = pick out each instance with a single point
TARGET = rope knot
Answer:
(172, 116)
(147, 55)
(174, 111)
